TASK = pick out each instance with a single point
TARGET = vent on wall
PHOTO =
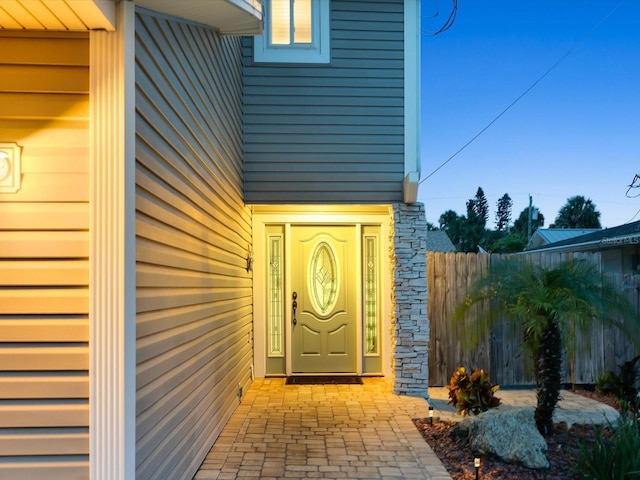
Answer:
(10, 169)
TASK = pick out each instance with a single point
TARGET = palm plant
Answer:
(550, 304)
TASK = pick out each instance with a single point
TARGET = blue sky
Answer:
(577, 132)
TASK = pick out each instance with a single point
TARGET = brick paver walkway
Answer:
(323, 431)
(347, 431)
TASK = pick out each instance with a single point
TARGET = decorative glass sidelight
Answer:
(276, 324)
(371, 294)
(323, 281)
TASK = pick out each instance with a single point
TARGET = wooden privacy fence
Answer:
(450, 277)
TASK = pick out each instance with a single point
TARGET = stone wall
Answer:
(410, 292)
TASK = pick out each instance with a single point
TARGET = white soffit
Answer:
(230, 17)
(57, 15)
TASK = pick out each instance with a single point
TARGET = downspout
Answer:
(411, 100)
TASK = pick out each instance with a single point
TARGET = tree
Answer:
(473, 233)
(578, 212)
(550, 305)
(503, 213)
(479, 206)
(511, 243)
(520, 226)
(453, 224)
(468, 232)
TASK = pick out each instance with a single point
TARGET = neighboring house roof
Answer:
(605, 238)
(545, 236)
(439, 241)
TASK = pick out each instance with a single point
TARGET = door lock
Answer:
(294, 306)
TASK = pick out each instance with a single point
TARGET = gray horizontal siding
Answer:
(194, 297)
(330, 133)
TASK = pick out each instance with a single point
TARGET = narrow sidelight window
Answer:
(371, 307)
(276, 321)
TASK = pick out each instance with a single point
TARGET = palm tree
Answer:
(550, 305)
(578, 212)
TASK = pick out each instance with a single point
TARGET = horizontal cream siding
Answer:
(44, 264)
(194, 293)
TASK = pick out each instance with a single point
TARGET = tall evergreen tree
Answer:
(503, 213)
(578, 212)
(474, 234)
(479, 206)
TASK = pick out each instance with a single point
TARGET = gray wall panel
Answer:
(194, 294)
(330, 133)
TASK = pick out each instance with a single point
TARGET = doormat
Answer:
(324, 380)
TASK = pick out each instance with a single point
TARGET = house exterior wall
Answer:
(194, 291)
(330, 133)
(44, 251)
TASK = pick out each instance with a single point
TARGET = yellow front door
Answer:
(323, 287)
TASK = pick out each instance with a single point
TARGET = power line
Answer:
(533, 85)
(448, 23)
(635, 183)
(631, 219)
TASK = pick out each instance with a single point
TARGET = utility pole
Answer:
(529, 219)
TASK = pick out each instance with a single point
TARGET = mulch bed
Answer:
(563, 450)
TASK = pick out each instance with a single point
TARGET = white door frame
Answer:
(379, 215)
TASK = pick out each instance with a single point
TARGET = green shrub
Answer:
(613, 454)
(472, 393)
(608, 383)
(624, 384)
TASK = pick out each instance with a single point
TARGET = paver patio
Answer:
(323, 431)
(346, 431)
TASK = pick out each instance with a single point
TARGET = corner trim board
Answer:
(112, 252)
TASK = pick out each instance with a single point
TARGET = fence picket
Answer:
(450, 276)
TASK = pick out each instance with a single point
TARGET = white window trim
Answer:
(319, 51)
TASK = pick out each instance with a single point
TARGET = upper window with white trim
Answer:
(295, 31)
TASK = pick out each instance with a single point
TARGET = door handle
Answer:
(294, 306)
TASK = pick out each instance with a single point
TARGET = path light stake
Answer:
(476, 463)
(430, 416)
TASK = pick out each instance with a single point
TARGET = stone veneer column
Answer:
(410, 285)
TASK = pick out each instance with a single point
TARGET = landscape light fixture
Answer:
(430, 415)
(476, 463)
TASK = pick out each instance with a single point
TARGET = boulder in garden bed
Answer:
(508, 433)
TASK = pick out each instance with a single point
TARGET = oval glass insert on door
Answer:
(323, 278)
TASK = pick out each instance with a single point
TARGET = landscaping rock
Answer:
(508, 433)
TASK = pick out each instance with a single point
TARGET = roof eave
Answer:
(229, 17)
